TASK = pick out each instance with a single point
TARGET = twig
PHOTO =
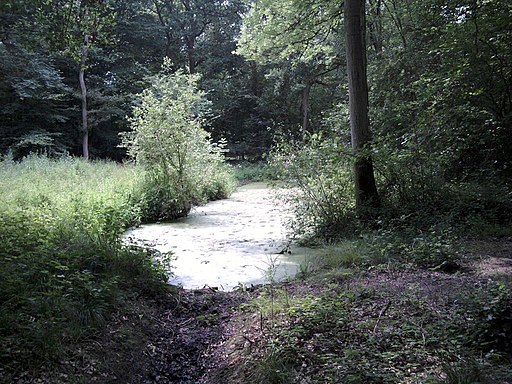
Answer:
(382, 312)
(186, 322)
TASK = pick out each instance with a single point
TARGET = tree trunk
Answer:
(365, 187)
(375, 26)
(305, 105)
(83, 90)
(191, 54)
(255, 80)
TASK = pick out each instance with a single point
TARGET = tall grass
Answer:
(63, 267)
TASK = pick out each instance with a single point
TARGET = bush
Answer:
(494, 320)
(409, 176)
(415, 184)
(321, 189)
(246, 172)
(409, 245)
(184, 166)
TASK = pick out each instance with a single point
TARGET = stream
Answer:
(227, 243)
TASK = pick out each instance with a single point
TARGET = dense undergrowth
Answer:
(422, 211)
(63, 266)
(401, 327)
(395, 296)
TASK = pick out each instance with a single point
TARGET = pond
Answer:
(226, 243)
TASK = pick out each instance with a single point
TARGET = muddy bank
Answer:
(207, 336)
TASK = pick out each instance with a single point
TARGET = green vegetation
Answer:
(395, 181)
(183, 166)
(246, 172)
(394, 296)
(369, 334)
(415, 205)
(63, 267)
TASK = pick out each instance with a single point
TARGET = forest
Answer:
(387, 121)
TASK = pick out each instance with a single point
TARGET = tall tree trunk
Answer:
(365, 187)
(83, 90)
(191, 55)
(255, 79)
(85, 128)
(190, 38)
(305, 105)
(375, 26)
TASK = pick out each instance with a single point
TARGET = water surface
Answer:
(225, 243)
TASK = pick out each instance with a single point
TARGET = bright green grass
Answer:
(63, 268)
(40, 183)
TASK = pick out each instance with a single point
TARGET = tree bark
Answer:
(365, 187)
(305, 105)
(375, 26)
(190, 40)
(83, 90)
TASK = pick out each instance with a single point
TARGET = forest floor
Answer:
(377, 325)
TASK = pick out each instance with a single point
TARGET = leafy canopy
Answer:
(290, 29)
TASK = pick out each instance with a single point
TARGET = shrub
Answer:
(246, 172)
(494, 320)
(318, 173)
(168, 138)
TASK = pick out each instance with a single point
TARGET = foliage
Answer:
(408, 245)
(369, 328)
(73, 25)
(299, 44)
(318, 173)
(429, 105)
(494, 325)
(296, 29)
(409, 176)
(33, 96)
(183, 165)
(246, 172)
(63, 267)
(442, 90)
(422, 212)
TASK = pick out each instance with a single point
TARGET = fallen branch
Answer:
(382, 312)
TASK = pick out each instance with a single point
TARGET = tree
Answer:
(186, 22)
(300, 36)
(76, 27)
(33, 102)
(169, 139)
(307, 31)
(34, 99)
(441, 95)
(365, 187)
